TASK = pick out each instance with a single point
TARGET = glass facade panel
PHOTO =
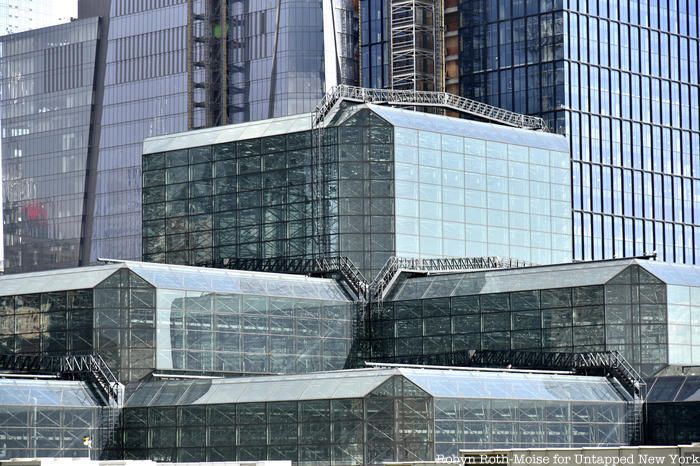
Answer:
(48, 418)
(622, 308)
(47, 81)
(371, 197)
(620, 80)
(258, 199)
(380, 415)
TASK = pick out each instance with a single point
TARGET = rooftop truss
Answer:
(361, 289)
(409, 98)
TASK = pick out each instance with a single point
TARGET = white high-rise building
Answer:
(21, 15)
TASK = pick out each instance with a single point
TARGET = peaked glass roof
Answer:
(509, 280)
(673, 274)
(56, 280)
(538, 277)
(182, 277)
(229, 133)
(23, 392)
(395, 116)
(320, 385)
(674, 388)
(179, 278)
(511, 385)
(469, 128)
(361, 382)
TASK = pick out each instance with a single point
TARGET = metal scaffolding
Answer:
(206, 63)
(416, 45)
(408, 98)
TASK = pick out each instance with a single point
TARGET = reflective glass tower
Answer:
(284, 54)
(620, 79)
(163, 67)
(144, 95)
(46, 76)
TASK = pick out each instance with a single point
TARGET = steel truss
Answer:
(410, 98)
(362, 289)
(86, 367)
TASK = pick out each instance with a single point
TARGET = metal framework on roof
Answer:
(410, 98)
(361, 289)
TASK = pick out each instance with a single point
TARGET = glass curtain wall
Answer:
(45, 419)
(621, 80)
(394, 421)
(145, 95)
(276, 58)
(671, 409)
(267, 198)
(47, 324)
(627, 314)
(202, 331)
(369, 416)
(47, 78)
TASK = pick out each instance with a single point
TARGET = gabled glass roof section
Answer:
(500, 281)
(321, 385)
(511, 385)
(229, 133)
(181, 277)
(673, 274)
(16, 392)
(359, 383)
(56, 280)
(178, 278)
(674, 388)
(394, 116)
(538, 277)
(469, 128)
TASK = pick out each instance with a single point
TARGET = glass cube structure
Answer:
(646, 310)
(143, 317)
(375, 182)
(368, 416)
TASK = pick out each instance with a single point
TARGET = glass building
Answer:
(156, 325)
(646, 310)
(368, 416)
(144, 79)
(284, 55)
(388, 182)
(620, 79)
(47, 418)
(673, 405)
(143, 93)
(46, 81)
(145, 317)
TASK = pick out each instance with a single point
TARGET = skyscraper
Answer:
(162, 67)
(402, 44)
(18, 15)
(620, 79)
(283, 55)
(47, 80)
(22, 15)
